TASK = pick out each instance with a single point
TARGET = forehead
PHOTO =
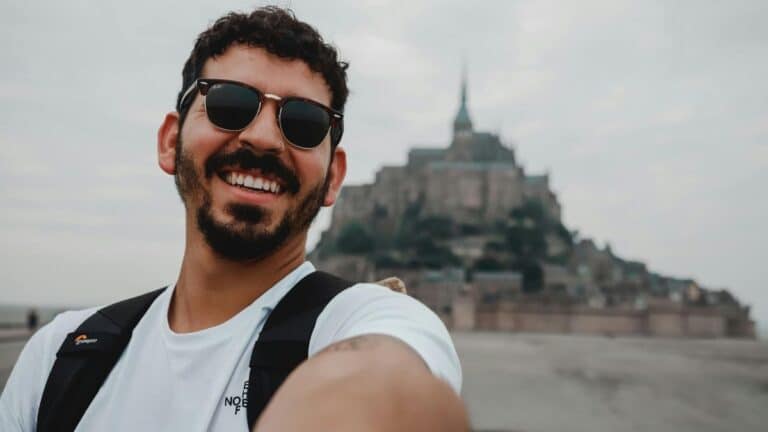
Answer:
(268, 73)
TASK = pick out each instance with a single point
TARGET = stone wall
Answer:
(709, 325)
(623, 323)
(463, 313)
(666, 324)
(540, 318)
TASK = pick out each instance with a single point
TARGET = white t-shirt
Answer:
(168, 381)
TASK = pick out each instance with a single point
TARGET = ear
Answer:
(336, 171)
(167, 139)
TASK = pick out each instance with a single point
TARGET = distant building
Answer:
(476, 179)
(465, 197)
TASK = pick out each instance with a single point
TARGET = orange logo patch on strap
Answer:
(84, 339)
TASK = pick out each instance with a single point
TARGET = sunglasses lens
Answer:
(231, 106)
(304, 124)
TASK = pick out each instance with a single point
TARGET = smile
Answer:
(252, 182)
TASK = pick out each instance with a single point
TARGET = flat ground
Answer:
(9, 352)
(527, 382)
(553, 383)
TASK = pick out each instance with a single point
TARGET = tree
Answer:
(487, 263)
(533, 277)
(526, 242)
(354, 239)
(564, 234)
(437, 227)
(433, 255)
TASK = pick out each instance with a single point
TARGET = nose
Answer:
(263, 133)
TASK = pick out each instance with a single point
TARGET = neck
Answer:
(211, 289)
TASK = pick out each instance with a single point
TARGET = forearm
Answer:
(372, 390)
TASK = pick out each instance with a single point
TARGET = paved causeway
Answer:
(525, 382)
(548, 383)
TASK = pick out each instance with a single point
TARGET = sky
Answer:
(651, 118)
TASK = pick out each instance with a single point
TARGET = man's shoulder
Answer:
(26, 382)
(364, 295)
(368, 308)
(64, 323)
(366, 303)
(69, 320)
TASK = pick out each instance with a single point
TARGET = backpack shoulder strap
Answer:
(84, 361)
(284, 341)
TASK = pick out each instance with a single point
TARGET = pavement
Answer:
(14, 334)
(9, 352)
(11, 342)
(534, 382)
(552, 383)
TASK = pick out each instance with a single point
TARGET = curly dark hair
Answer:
(280, 33)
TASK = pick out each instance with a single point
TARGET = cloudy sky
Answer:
(651, 117)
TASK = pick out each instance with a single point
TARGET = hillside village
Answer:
(481, 241)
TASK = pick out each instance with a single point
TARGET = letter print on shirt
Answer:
(239, 401)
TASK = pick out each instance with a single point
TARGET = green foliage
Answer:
(495, 247)
(414, 229)
(470, 229)
(487, 263)
(380, 212)
(564, 234)
(408, 230)
(387, 260)
(354, 239)
(518, 242)
(432, 255)
(436, 227)
(533, 276)
(412, 212)
(532, 210)
(560, 259)
(527, 230)
(526, 242)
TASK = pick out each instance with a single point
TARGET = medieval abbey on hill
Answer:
(482, 243)
(475, 180)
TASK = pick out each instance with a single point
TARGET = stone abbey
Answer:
(481, 242)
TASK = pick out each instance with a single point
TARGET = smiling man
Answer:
(250, 335)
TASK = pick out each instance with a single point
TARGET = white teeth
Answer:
(258, 183)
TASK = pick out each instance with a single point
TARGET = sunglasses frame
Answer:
(203, 85)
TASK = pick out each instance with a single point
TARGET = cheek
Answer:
(312, 166)
(200, 142)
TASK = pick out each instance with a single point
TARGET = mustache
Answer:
(246, 159)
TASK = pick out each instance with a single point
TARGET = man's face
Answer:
(238, 222)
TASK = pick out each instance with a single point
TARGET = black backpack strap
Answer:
(84, 361)
(284, 341)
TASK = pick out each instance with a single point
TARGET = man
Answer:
(253, 147)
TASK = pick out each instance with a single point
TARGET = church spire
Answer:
(462, 122)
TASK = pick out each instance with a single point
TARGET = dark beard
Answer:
(242, 239)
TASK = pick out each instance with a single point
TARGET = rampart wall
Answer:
(696, 322)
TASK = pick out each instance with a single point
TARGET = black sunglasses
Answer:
(232, 105)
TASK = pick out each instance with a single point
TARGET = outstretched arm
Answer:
(364, 383)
